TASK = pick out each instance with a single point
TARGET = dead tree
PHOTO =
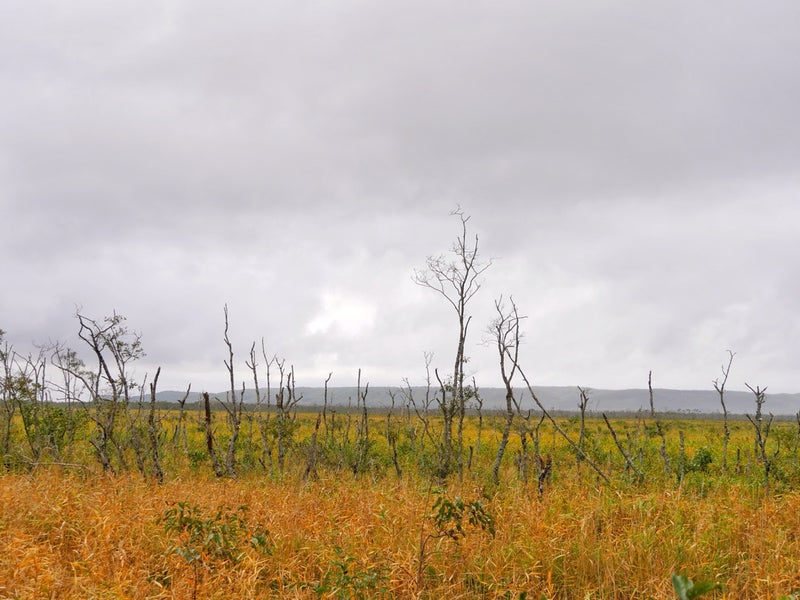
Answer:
(232, 406)
(69, 389)
(152, 430)
(136, 434)
(286, 400)
(583, 404)
(537, 442)
(561, 431)
(479, 410)
(108, 385)
(796, 435)
(505, 331)
(7, 398)
(24, 392)
(659, 429)
(179, 435)
(545, 472)
(524, 430)
(457, 281)
(392, 433)
(252, 416)
(216, 464)
(418, 438)
(761, 432)
(311, 462)
(422, 411)
(25, 383)
(362, 444)
(325, 408)
(720, 387)
(49, 427)
(628, 461)
(264, 424)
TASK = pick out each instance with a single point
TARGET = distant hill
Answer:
(559, 398)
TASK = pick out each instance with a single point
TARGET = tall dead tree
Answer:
(720, 387)
(456, 279)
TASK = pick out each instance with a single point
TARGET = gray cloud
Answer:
(632, 168)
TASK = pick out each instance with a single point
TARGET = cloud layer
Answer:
(631, 167)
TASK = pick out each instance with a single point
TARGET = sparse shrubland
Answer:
(71, 531)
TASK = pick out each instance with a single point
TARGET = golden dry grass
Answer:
(63, 535)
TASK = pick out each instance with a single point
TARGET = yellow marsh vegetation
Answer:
(73, 533)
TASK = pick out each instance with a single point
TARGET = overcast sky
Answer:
(631, 167)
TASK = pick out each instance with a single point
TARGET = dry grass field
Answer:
(72, 532)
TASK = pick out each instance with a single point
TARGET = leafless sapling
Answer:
(286, 401)
(232, 406)
(629, 464)
(253, 415)
(506, 335)
(719, 385)
(325, 406)
(536, 437)
(796, 435)
(264, 425)
(659, 428)
(583, 403)
(761, 432)
(421, 410)
(152, 429)
(362, 443)
(180, 438)
(137, 433)
(311, 460)
(392, 435)
(478, 399)
(216, 463)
